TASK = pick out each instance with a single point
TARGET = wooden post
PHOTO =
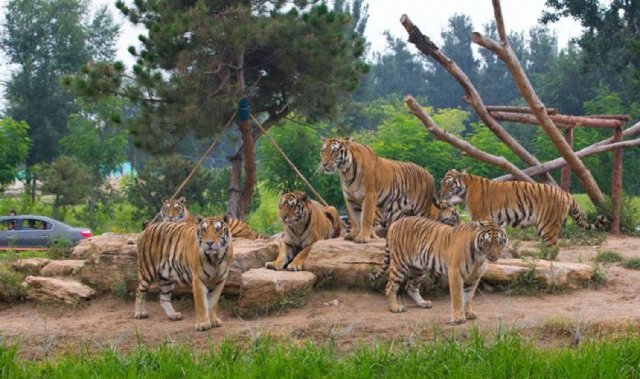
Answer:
(616, 184)
(565, 173)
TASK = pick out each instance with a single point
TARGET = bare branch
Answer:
(508, 108)
(460, 144)
(561, 120)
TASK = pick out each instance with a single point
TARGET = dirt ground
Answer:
(351, 318)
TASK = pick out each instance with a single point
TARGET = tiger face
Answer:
(213, 236)
(292, 207)
(173, 210)
(452, 185)
(449, 216)
(335, 154)
(491, 240)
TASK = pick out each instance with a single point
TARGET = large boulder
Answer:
(549, 273)
(56, 290)
(344, 263)
(265, 290)
(62, 267)
(29, 265)
(111, 260)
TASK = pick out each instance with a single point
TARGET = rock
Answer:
(62, 267)
(344, 263)
(30, 265)
(56, 290)
(112, 260)
(551, 273)
(265, 290)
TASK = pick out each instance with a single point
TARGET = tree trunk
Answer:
(233, 204)
(249, 168)
(506, 54)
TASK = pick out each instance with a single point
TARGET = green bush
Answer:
(11, 282)
(632, 263)
(608, 256)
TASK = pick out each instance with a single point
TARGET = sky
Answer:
(429, 15)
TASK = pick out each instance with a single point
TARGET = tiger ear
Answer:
(198, 219)
(304, 197)
(164, 201)
(226, 218)
(324, 139)
(350, 139)
(182, 200)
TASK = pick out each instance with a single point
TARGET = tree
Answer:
(68, 180)
(46, 39)
(199, 59)
(14, 148)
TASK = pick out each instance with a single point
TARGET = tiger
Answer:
(416, 245)
(448, 215)
(369, 182)
(517, 204)
(176, 211)
(305, 222)
(198, 253)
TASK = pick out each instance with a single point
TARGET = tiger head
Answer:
(213, 236)
(335, 154)
(174, 210)
(491, 239)
(293, 206)
(448, 216)
(452, 186)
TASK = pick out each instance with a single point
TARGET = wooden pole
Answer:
(616, 184)
(509, 108)
(561, 120)
(565, 173)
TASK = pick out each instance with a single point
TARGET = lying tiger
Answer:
(447, 215)
(417, 245)
(515, 203)
(370, 182)
(197, 253)
(176, 211)
(305, 222)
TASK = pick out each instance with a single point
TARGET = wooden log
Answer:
(616, 184)
(623, 117)
(565, 174)
(428, 48)
(564, 121)
(506, 54)
(559, 162)
(509, 108)
(460, 144)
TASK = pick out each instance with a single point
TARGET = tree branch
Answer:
(561, 120)
(424, 44)
(463, 145)
(506, 54)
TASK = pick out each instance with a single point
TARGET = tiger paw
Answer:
(457, 320)
(141, 314)
(425, 304)
(349, 237)
(177, 316)
(470, 315)
(273, 266)
(362, 238)
(294, 267)
(216, 322)
(202, 326)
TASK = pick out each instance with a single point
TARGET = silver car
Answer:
(29, 232)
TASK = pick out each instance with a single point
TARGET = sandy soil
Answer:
(359, 317)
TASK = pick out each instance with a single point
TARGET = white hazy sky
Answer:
(429, 15)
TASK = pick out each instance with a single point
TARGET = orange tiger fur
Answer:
(369, 182)
(515, 203)
(305, 222)
(416, 245)
(196, 253)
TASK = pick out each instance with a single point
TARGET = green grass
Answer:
(12, 255)
(608, 256)
(505, 356)
(632, 263)
(265, 219)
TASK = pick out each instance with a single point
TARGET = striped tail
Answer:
(575, 213)
(385, 265)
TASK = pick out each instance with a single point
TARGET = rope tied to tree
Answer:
(195, 168)
(286, 158)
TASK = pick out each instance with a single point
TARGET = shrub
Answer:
(632, 264)
(607, 256)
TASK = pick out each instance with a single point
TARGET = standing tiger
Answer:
(416, 245)
(447, 215)
(368, 182)
(196, 253)
(305, 222)
(176, 211)
(515, 203)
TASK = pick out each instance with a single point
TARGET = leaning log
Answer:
(514, 109)
(562, 121)
(506, 54)
(428, 48)
(460, 144)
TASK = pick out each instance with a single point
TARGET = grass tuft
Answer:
(608, 256)
(632, 264)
